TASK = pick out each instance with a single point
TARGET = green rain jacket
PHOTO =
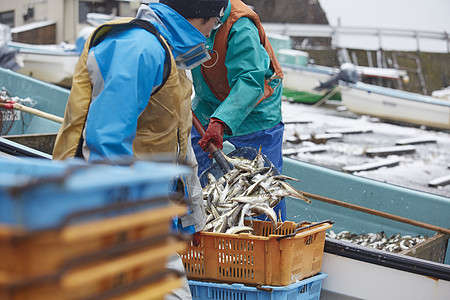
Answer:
(247, 63)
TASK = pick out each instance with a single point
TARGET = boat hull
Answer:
(396, 105)
(301, 97)
(56, 69)
(362, 280)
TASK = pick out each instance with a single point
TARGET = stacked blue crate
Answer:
(38, 194)
(306, 289)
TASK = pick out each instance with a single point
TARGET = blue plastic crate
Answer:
(39, 194)
(307, 289)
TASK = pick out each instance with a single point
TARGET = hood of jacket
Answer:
(186, 42)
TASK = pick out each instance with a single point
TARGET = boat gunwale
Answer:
(39, 52)
(41, 49)
(16, 149)
(311, 69)
(388, 92)
(388, 259)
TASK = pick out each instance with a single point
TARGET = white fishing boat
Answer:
(50, 63)
(395, 105)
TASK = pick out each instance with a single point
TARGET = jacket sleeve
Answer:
(124, 69)
(247, 63)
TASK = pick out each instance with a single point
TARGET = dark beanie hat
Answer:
(197, 8)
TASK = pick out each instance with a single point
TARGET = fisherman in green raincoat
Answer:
(238, 91)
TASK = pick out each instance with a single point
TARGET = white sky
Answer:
(432, 15)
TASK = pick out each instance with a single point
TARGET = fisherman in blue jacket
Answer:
(130, 95)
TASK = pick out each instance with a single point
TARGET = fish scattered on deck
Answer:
(394, 243)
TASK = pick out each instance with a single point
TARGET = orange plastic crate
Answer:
(26, 255)
(102, 279)
(260, 258)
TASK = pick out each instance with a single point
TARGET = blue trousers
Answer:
(271, 141)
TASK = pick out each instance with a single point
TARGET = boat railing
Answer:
(417, 39)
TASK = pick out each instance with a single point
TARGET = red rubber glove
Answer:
(213, 135)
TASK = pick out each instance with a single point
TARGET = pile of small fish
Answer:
(248, 190)
(395, 243)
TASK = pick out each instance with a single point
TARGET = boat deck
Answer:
(360, 134)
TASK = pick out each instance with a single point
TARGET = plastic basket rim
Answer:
(271, 236)
(316, 277)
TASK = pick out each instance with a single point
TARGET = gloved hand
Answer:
(213, 135)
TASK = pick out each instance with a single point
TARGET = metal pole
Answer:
(448, 41)
(334, 43)
(380, 44)
(416, 34)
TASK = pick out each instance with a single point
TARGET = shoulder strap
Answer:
(150, 28)
(168, 63)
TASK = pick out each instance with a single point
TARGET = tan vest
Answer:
(163, 127)
(215, 72)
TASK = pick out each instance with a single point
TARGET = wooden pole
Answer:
(216, 153)
(377, 213)
(15, 105)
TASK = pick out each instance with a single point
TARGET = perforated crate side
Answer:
(257, 259)
(307, 289)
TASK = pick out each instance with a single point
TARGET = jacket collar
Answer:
(187, 43)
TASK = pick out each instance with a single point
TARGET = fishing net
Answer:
(7, 117)
(7, 114)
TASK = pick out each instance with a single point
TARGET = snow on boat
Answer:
(442, 93)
